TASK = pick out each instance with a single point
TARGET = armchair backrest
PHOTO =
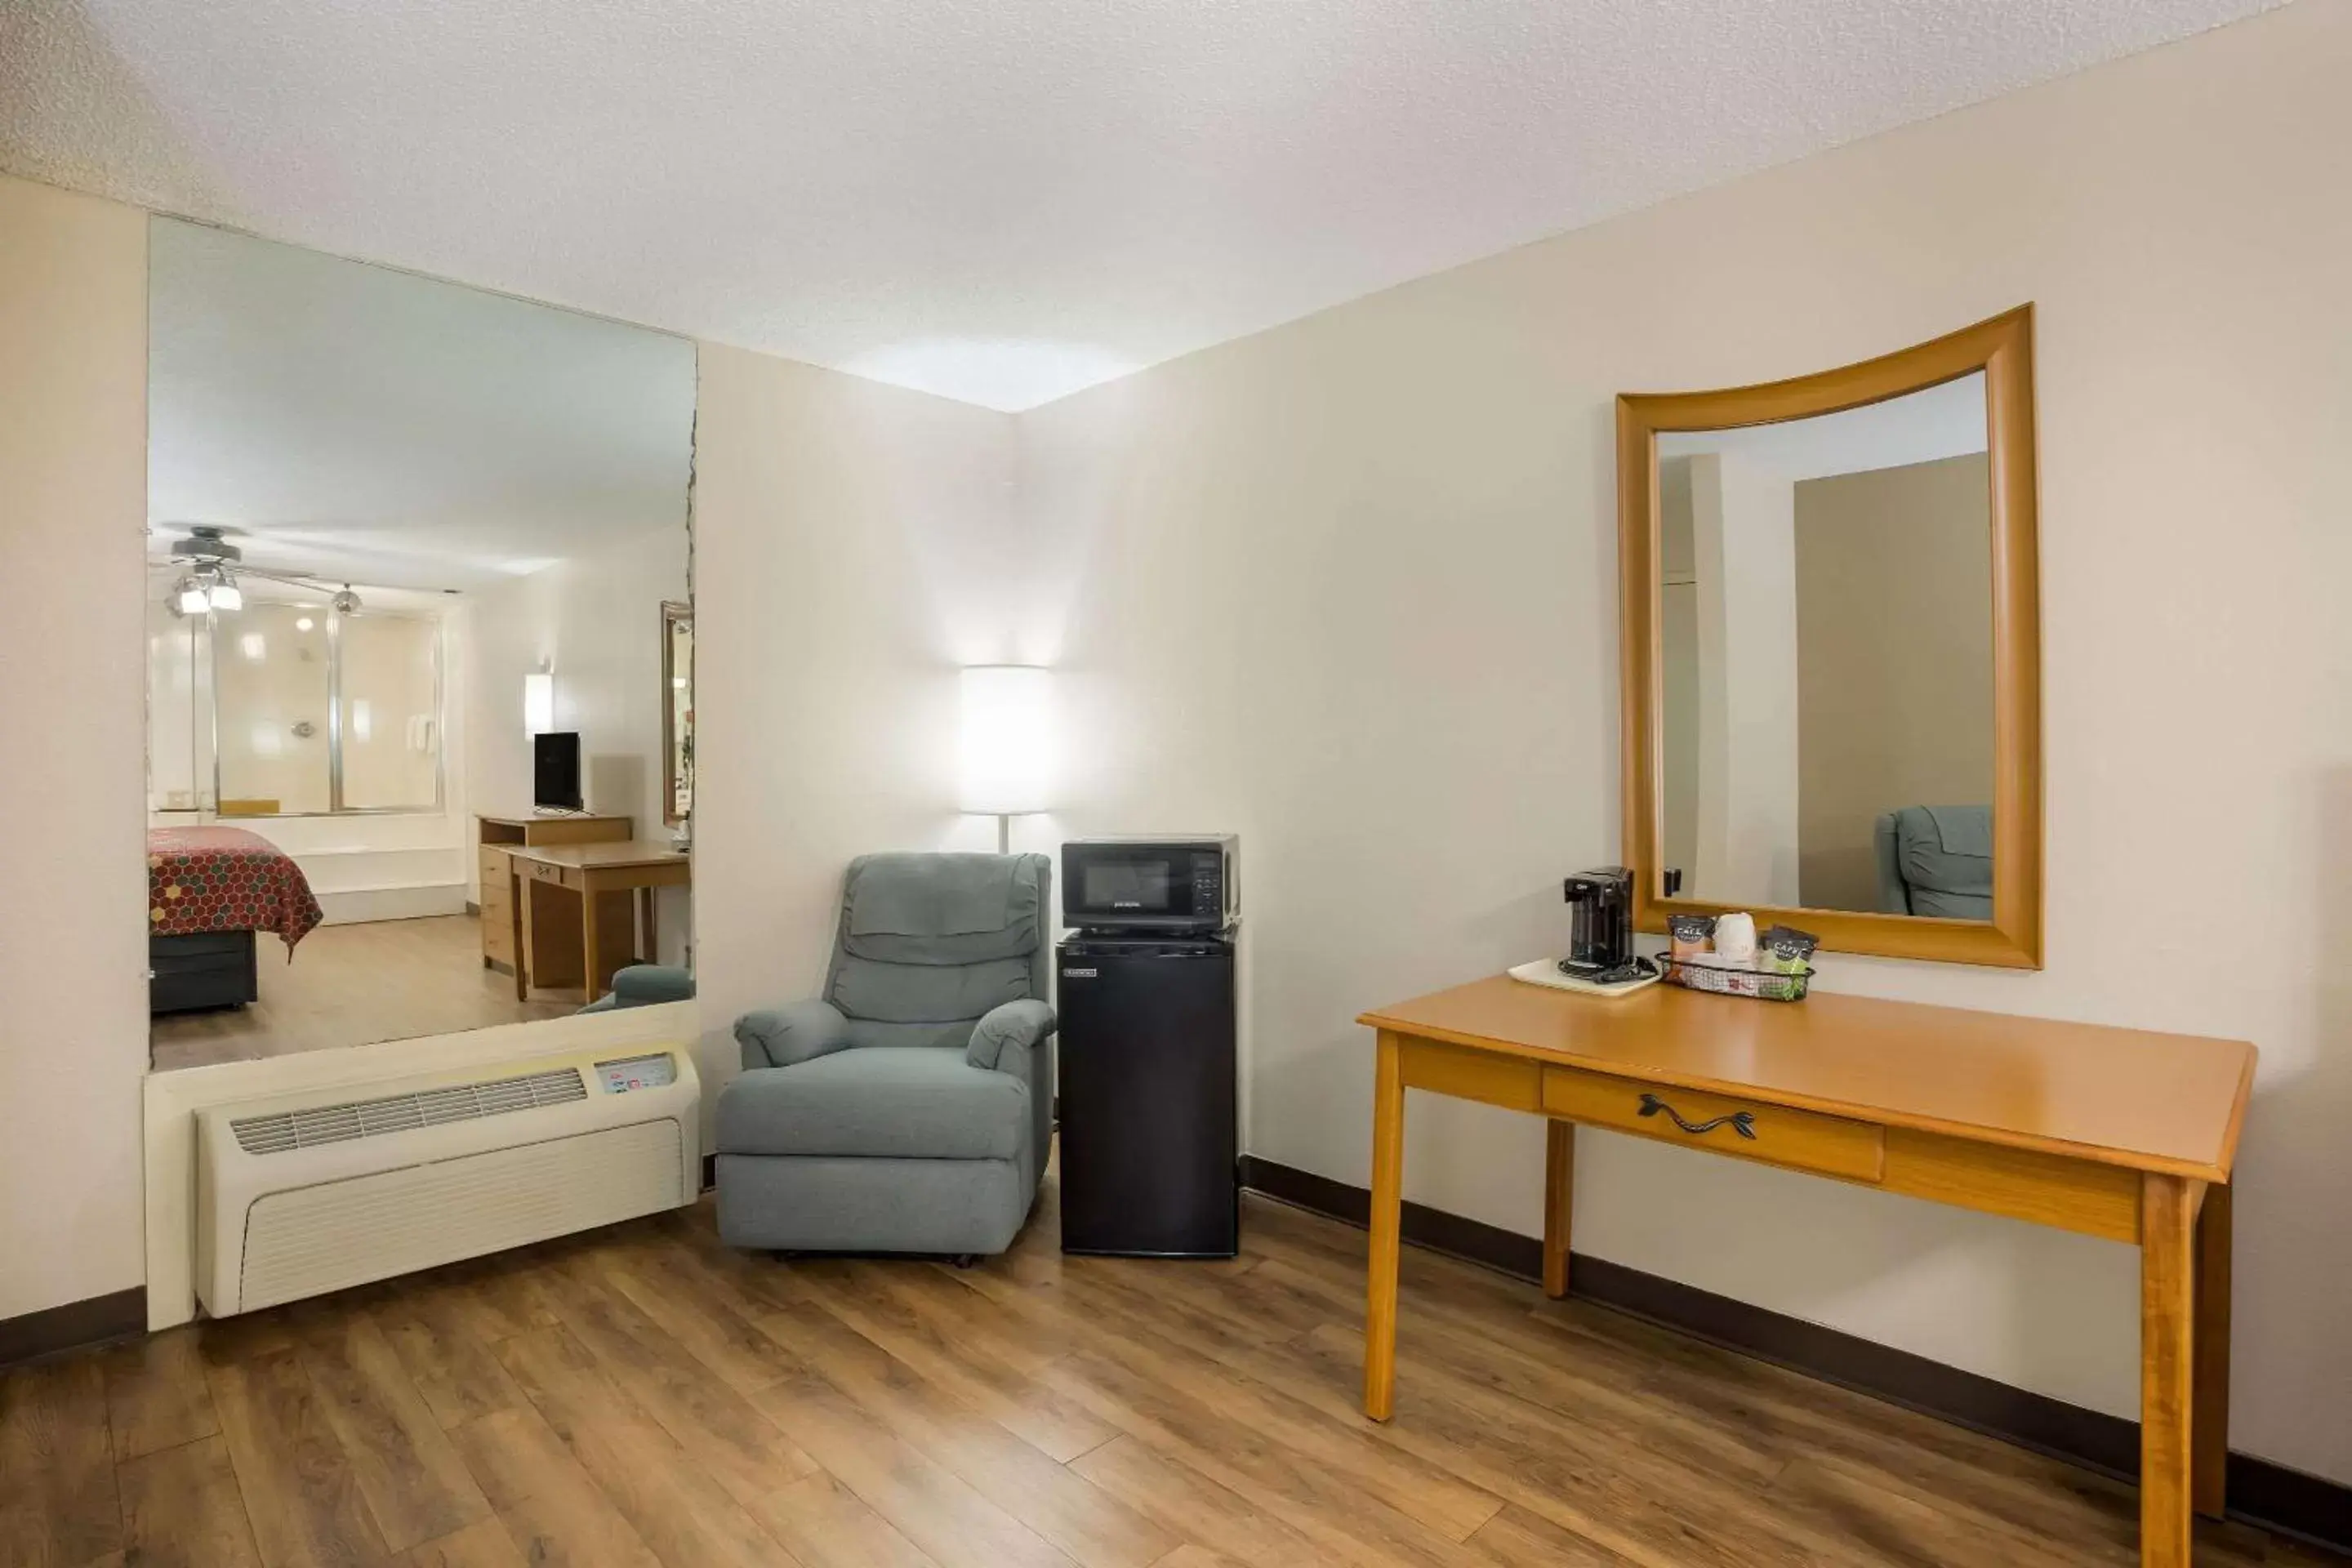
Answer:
(928, 943)
(1936, 860)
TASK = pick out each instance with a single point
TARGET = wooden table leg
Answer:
(1559, 1188)
(1388, 1198)
(591, 951)
(2167, 1330)
(525, 891)
(653, 938)
(2210, 1411)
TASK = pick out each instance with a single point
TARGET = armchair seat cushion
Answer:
(922, 1102)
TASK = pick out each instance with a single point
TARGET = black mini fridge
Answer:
(1150, 1137)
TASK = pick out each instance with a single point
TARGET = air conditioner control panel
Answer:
(626, 1073)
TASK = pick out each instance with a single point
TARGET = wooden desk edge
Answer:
(558, 855)
(2237, 1122)
(2159, 1165)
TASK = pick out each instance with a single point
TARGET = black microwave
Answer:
(1149, 884)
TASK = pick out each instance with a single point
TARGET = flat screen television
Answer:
(555, 770)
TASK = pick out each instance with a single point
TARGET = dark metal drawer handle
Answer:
(1740, 1121)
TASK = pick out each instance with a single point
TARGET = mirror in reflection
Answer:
(1826, 672)
(677, 698)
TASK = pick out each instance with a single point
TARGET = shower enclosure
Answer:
(292, 710)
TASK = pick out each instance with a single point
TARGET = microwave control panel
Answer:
(1208, 883)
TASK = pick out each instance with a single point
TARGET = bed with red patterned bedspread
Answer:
(225, 878)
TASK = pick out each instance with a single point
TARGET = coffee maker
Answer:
(1600, 929)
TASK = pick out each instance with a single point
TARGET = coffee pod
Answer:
(1785, 950)
(1689, 935)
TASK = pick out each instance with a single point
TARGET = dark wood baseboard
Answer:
(73, 1326)
(2262, 1493)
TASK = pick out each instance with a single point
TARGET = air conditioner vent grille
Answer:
(284, 1131)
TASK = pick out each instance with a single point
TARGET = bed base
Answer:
(202, 970)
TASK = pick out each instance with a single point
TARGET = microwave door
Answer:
(1129, 887)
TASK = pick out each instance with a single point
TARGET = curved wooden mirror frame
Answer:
(2002, 348)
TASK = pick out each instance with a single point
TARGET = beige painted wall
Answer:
(1894, 661)
(73, 957)
(853, 546)
(1348, 588)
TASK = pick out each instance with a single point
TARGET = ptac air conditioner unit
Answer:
(302, 1194)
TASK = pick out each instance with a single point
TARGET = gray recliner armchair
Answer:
(909, 1108)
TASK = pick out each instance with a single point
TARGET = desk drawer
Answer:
(540, 871)
(498, 925)
(1777, 1136)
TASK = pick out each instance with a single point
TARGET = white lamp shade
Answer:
(537, 703)
(1009, 753)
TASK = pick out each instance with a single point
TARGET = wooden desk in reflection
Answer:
(2112, 1132)
(602, 894)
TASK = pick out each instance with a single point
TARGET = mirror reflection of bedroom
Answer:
(419, 651)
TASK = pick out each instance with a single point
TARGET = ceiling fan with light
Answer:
(210, 565)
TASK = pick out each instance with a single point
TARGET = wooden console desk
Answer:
(589, 890)
(497, 837)
(2112, 1132)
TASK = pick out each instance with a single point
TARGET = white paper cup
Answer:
(1735, 937)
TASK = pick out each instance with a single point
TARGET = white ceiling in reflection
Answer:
(1946, 421)
(362, 424)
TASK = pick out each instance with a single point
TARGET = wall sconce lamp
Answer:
(538, 701)
(1009, 755)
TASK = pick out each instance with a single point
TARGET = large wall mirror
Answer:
(1831, 651)
(416, 601)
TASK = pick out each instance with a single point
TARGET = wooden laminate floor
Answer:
(643, 1397)
(353, 985)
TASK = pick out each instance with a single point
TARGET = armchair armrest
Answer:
(1004, 1039)
(645, 984)
(796, 1032)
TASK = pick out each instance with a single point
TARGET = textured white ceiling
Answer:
(999, 200)
(370, 426)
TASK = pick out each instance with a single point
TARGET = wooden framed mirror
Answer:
(678, 711)
(1831, 651)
